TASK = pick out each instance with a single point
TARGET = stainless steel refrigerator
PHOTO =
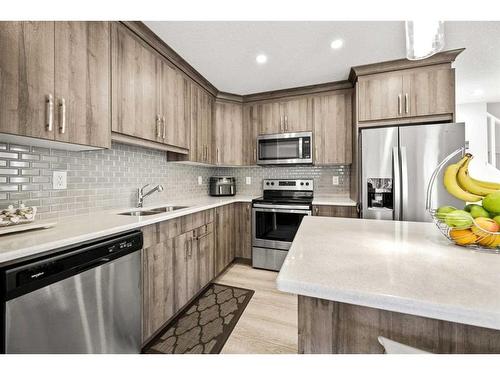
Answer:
(396, 165)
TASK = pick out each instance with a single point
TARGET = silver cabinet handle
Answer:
(316, 210)
(158, 123)
(62, 116)
(281, 123)
(186, 250)
(286, 123)
(407, 106)
(255, 154)
(49, 112)
(206, 152)
(164, 127)
(400, 108)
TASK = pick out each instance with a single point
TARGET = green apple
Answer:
(492, 202)
(478, 211)
(497, 219)
(469, 206)
(443, 211)
(459, 219)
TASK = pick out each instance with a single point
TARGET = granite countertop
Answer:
(406, 267)
(73, 230)
(333, 200)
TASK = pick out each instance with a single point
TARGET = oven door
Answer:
(275, 228)
(288, 148)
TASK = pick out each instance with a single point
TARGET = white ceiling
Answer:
(299, 52)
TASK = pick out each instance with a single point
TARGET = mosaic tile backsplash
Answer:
(109, 178)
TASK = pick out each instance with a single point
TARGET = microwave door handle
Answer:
(301, 140)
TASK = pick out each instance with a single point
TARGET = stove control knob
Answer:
(267, 183)
(272, 183)
(307, 183)
(301, 184)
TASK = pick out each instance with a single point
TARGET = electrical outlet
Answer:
(59, 180)
(248, 180)
(200, 180)
(335, 180)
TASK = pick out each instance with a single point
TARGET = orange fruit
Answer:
(463, 236)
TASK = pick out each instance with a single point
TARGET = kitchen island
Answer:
(359, 279)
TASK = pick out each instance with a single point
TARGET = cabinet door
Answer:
(181, 245)
(333, 129)
(201, 125)
(268, 118)
(26, 77)
(429, 92)
(228, 133)
(225, 237)
(175, 106)
(134, 86)
(83, 80)
(336, 211)
(243, 232)
(250, 130)
(157, 287)
(192, 266)
(380, 96)
(206, 256)
(297, 115)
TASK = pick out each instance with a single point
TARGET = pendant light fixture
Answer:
(423, 38)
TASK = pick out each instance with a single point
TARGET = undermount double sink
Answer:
(152, 211)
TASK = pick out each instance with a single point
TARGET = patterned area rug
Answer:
(205, 325)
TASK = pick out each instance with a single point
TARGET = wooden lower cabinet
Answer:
(178, 261)
(225, 236)
(335, 211)
(329, 327)
(243, 232)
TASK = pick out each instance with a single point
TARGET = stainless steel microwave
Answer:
(285, 148)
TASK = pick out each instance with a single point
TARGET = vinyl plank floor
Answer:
(269, 323)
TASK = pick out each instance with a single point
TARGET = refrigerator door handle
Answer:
(397, 183)
(404, 182)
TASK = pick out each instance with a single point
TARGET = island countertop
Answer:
(405, 267)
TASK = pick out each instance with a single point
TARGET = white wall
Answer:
(476, 132)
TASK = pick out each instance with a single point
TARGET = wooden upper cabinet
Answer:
(202, 103)
(432, 92)
(228, 133)
(296, 115)
(410, 93)
(268, 117)
(174, 106)
(26, 77)
(250, 132)
(135, 95)
(56, 80)
(332, 121)
(83, 82)
(380, 96)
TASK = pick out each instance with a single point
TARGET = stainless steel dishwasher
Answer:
(86, 299)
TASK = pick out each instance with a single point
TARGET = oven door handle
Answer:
(282, 206)
(279, 210)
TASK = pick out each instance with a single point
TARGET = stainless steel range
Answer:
(276, 217)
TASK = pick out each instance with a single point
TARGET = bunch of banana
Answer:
(459, 184)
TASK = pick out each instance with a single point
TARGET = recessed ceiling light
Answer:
(337, 43)
(478, 92)
(261, 59)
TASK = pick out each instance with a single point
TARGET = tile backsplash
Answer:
(109, 178)
(96, 179)
(323, 177)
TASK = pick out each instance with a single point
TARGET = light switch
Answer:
(335, 180)
(248, 180)
(59, 180)
(200, 180)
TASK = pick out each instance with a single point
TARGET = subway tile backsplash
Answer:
(109, 178)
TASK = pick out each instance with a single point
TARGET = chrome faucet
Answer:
(141, 195)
